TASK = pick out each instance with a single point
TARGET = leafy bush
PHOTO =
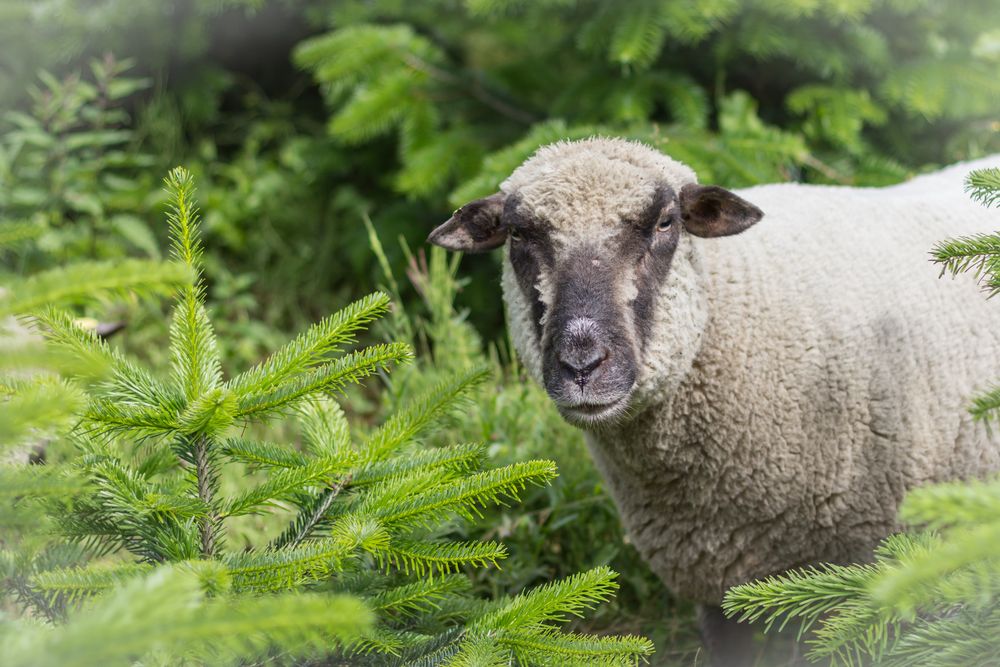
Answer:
(368, 526)
(932, 597)
(69, 167)
(842, 82)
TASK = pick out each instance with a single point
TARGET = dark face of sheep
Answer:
(593, 295)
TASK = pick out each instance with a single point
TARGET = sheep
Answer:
(754, 404)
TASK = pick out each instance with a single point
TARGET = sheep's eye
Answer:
(664, 225)
(515, 235)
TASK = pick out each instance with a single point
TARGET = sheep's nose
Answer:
(582, 361)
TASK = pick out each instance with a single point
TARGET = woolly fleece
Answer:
(801, 376)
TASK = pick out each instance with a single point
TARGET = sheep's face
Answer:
(589, 243)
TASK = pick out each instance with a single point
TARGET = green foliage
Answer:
(931, 598)
(481, 87)
(83, 282)
(425, 106)
(363, 563)
(429, 104)
(68, 168)
(568, 526)
(984, 186)
(169, 612)
(979, 255)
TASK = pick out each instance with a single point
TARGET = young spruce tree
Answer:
(363, 570)
(932, 596)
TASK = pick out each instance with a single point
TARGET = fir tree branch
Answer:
(286, 569)
(463, 496)
(417, 597)
(208, 524)
(457, 458)
(956, 638)
(979, 255)
(983, 185)
(803, 594)
(310, 517)
(195, 359)
(986, 406)
(430, 558)
(70, 585)
(38, 408)
(941, 506)
(107, 416)
(325, 431)
(263, 454)
(167, 612)
(565, 648)
(331, 377)
(311, 348)
(551, 603)
(282, 484)
(420, 413)
(83, 282)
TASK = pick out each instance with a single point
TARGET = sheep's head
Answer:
(591, 229)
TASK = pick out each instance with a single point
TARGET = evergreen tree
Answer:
(362, 566)
(932, 596)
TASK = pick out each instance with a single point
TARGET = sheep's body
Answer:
(801, 376)
(832, 373)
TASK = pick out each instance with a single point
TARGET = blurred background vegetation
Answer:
(329, 136)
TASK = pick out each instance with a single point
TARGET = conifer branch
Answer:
(325, 430)
(38, 408)
(15, 233)
(421, 413)
(286, 569)
(84, 282)
(551, 647)
(452, 458)
(436, 558)
(329, 378)
(71, 585)
(167, 612)
(986, 406)
(464, 496)
(263, 454)
(552, 602)
(983, 185)
(208, 524)
(282, 484)
(311, 348)
(311, 516)
(419, 596)
(370, 517)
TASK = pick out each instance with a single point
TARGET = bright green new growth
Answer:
(366, 518)
(931, 598)
(169, 612)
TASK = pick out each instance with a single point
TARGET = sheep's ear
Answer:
(473, 228)
(709, 210)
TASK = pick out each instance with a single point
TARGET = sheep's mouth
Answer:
(594, 413)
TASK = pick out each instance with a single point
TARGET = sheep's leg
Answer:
(729, 644)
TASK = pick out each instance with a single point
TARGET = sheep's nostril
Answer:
(582, 363)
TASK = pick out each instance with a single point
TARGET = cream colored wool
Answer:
(801, 376)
